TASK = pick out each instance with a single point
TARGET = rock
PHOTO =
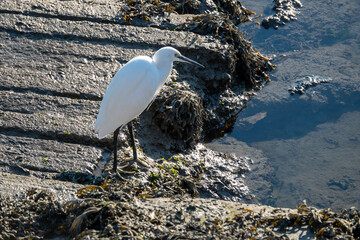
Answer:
(285, 11)
(179, 113)
(306, 82)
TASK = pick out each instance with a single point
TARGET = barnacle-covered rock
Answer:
(286, 11)
(306, 82)
(178, 113)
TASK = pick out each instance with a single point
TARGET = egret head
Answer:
(169, 55)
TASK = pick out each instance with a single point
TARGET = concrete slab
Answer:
(14, 186)
(18, 153)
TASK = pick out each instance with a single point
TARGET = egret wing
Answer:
(128, 94)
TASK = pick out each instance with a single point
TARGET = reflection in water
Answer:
(322, 166)
(307, 146)
(312, 151)
(291, 119)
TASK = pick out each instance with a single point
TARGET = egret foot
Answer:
(140, 160)
(133, 146)
(119, 171)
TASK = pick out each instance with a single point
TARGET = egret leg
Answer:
(132, 138)
(116, 133)
(131, 131)
(115, 168)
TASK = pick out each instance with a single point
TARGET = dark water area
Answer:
(293, 119)
(306, 147)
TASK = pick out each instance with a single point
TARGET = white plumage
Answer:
(134, 87)
(127, 97)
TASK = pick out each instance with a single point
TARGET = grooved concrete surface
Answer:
(56, 60)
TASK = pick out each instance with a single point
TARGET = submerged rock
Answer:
(285, 11)
(306, 82)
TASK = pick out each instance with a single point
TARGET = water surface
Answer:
(305, 147)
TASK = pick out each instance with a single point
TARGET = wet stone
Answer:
(31, 155)
(285, 11)
(302, 84)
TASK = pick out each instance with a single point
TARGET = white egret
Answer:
(132, 90)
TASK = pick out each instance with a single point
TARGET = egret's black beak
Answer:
(188, 60)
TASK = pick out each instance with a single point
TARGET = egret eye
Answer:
(177, 55)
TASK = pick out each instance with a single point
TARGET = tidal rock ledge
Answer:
(57, 57)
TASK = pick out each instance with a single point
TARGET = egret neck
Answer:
(164, 65)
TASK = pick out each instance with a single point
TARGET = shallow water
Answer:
(306, 147)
